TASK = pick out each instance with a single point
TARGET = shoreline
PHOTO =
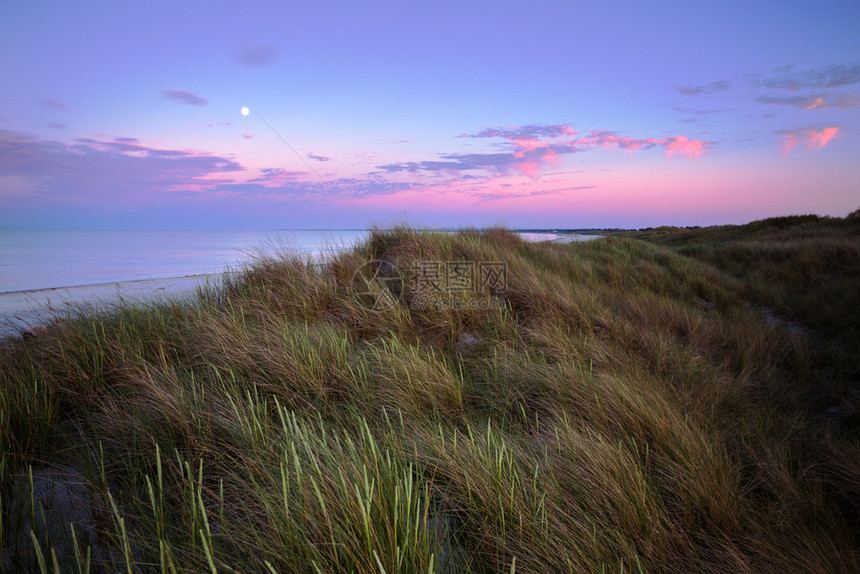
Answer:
(23, 309)
(103, 283)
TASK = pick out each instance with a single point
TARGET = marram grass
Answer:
(625, 406)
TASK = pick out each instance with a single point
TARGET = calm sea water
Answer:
(44, 259)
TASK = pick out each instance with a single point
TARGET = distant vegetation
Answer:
(665, 401)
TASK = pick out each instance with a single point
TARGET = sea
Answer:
(45, 273)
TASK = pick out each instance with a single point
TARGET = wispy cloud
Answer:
(497, 195)
(353, 188)
(185, 97)
(832, 76)
(318, 157)
(454, 163)
(56, 125)
(705, 89)
(833, 86)
(52, 103)
(575, 188)
(810, 137)
(698, 116)
(110, 169)
(606, 138)
(529, 152)
(813, 102)
(673, 145)
(683, 110)
(525, 133)
(256, 55)
(366, 187)
(277, 175)
(527, 149)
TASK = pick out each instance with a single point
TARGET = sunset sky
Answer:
(530, 114)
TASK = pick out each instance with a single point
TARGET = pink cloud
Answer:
(603, 138)
(812, 138)
(532, 155)
(823, 136)
(679, 144)
(684, 146)
(529, 149)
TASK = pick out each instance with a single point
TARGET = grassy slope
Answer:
(806, 271)
(627, 409)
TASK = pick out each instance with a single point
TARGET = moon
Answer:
(245, 111)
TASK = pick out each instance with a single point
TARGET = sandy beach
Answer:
(23, 309)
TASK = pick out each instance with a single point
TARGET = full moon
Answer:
(245, 111)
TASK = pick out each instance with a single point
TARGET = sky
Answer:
(539, 114)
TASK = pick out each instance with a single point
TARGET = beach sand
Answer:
(20, 310)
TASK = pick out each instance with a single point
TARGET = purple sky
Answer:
(538, 114)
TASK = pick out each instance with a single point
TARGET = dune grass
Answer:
(802, 271)
(620, 405)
